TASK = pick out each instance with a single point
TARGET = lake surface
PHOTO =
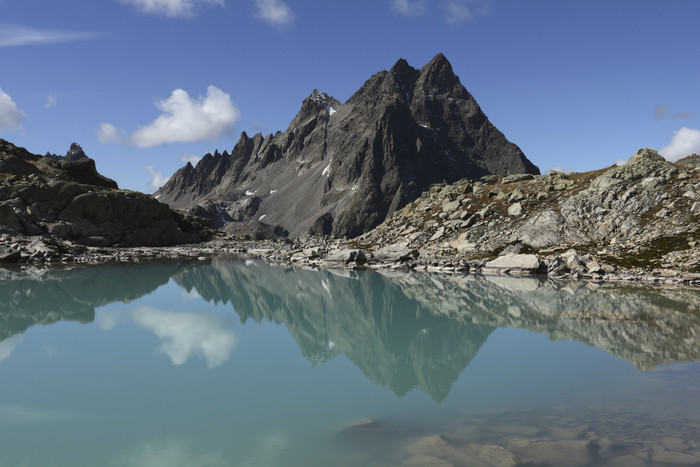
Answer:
(245, 364)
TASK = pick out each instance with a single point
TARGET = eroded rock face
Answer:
(67, 199)
(341, 169)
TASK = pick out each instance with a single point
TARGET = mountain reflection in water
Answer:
(402, 330)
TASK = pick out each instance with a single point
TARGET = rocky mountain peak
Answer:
(75, 153)
(646, 156)
(342, 174)
(437, 75)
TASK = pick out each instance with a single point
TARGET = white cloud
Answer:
(186, 334)
(191, 158)
(191, 295)
(8, 346)
(459, 11)
(108, 133)
(685, 142)
(13, 35)
(10, 115)
(171, 8)
(409, 7)
(50, 102)
(275, 12)
(157, 178)
(185, 120)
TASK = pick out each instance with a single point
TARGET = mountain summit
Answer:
(341, 169)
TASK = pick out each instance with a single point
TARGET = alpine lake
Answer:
(235, 362)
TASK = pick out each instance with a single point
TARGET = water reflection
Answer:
(402, 330)
(183, 334)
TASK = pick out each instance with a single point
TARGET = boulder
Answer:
(513, 264)
(515, 210)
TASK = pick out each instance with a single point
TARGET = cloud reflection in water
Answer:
(182, 334)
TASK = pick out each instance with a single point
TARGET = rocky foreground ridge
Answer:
(341, 169)
(51, 205)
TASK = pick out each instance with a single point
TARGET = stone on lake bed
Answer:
(425, 461)
(546, 452)
(361, 431)
(439, 447)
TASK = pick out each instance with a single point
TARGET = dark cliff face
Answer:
(341, 169)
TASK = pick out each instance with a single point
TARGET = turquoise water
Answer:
(246, 364)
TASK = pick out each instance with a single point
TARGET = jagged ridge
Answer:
(341, 169)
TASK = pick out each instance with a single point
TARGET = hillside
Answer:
(46, 201)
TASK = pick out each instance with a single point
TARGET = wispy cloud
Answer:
(683, 115)
(11, 116)
(12, 35)
(459, 11)
(685, 142)
(191, 158)
(50, 102)
(660, 111)
(455, 11)
(8, 345)
(171, 8)
(183, 120)
(157, 178)
(409, 7)
(275, 12)
(171, 452)
(107, 133)
(11, 414)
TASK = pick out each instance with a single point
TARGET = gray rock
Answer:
(8, 254)
(516, 178)
(438, 234)
(695, 209)
(514, 264)
(451, 206)
(346, 256)
(515, 209)
(543, 229)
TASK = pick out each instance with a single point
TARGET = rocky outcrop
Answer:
(341, 169)
(66, 199)
(637, 217)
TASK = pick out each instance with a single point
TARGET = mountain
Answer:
(342, 169)
(65, 198)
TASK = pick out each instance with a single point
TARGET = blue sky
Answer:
(144, 85)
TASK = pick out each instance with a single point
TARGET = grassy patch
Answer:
(653, 252)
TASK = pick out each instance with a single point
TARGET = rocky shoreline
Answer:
(326, 253)
(634, 222)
